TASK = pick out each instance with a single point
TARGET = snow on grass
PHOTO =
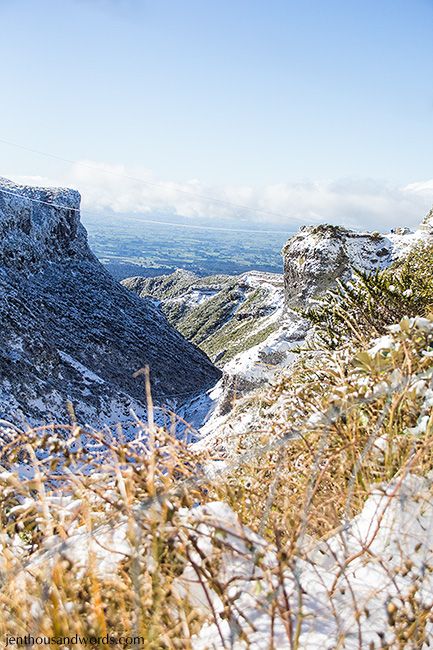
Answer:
(352, 589)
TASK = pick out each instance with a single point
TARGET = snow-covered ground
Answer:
(346, 592)
(363, 587)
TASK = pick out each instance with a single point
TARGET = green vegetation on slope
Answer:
(365, 307)
(231, 316)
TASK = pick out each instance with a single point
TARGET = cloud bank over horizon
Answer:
(356, 203)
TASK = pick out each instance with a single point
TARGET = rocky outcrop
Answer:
(35, 230)
(316, 256)
(69, 331)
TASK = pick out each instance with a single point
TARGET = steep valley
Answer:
(72, 338)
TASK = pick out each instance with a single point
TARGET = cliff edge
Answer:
(70, 332)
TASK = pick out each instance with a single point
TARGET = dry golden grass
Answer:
(138, 487)
(360, 436)
(339, 424)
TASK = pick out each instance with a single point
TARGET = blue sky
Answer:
(312, 109)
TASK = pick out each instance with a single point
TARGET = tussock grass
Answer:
(346, 421)
(88, 496)
(91, 498)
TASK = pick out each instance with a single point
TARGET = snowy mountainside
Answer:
(239, 321)
(314, 259)
(70, 333)
(310, 527)
(224, 315)
(246, 323)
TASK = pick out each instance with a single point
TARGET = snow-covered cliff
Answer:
(70, 333)
(316, 256)
(39, 225)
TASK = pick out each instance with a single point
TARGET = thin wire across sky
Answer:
(161, 186)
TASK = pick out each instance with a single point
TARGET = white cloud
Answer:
(425, 188)
(357, 203)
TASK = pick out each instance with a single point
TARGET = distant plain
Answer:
(132, 247)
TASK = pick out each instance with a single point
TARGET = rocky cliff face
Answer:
(69, 332)
(317, 256)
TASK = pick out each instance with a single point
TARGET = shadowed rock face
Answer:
(69, 331)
